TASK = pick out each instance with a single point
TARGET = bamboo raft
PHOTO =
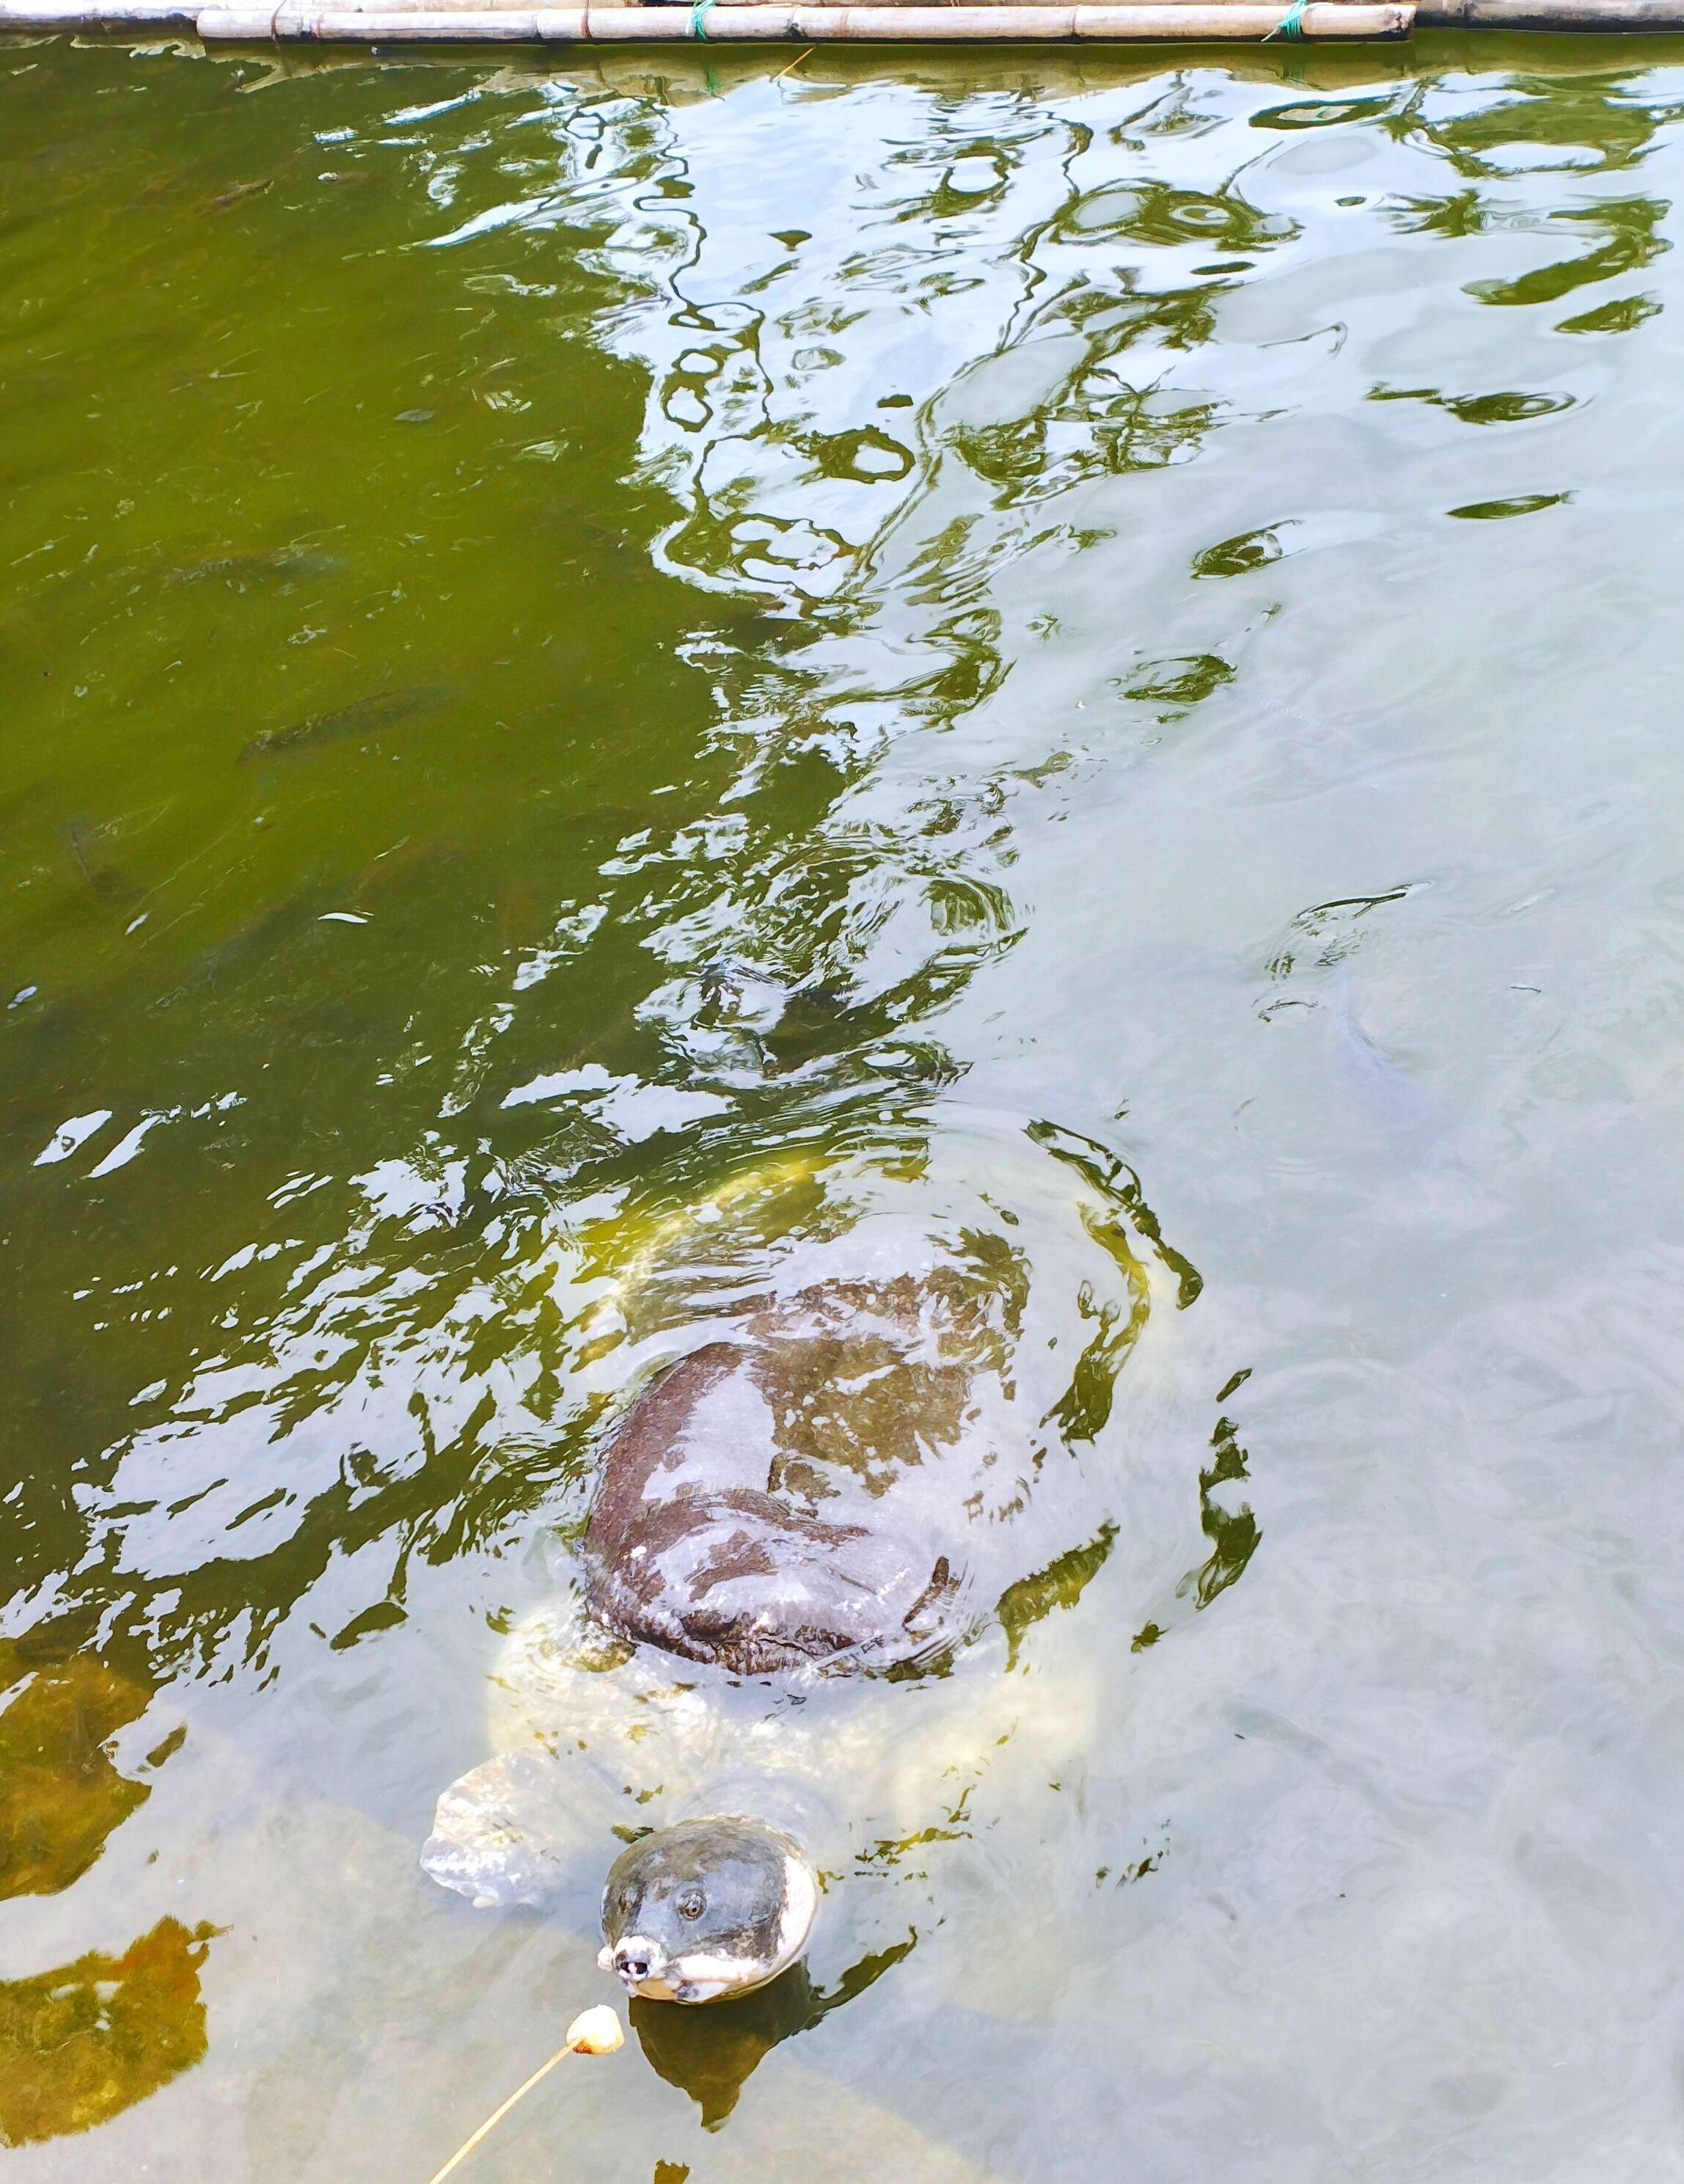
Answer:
(501, 22)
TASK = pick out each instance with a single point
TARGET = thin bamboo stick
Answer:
(595, 2031)
(1019, 20)
(497, 2116)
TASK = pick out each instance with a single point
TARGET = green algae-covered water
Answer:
(570, 632)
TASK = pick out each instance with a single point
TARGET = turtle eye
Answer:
(691, 1905)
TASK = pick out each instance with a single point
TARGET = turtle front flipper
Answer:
(510, 1831)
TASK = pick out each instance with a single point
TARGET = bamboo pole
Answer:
(1616, 15)
(73, 15)
(1178, 8)
(1660, 15)
(726, 21)
(1018, 20)
(39, 15)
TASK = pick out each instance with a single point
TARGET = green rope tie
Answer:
(700, 8)
(1291, 24)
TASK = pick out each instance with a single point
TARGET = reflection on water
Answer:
(576, 638)
(709, 2054)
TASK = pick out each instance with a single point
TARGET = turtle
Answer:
(838, 1486)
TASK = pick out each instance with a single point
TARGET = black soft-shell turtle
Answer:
(791, 1639)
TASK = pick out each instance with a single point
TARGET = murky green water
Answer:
(569, 634)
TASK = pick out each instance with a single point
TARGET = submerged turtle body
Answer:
(785, 1647)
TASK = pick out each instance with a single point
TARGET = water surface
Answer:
(570, 632)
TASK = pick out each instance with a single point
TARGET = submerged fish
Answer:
(253, 942)
(289, 921)
(243, 569)
(104, 881)
(239, 191)
(1402, 1107)
(384, 711)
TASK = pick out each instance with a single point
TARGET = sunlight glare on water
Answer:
(627, 680)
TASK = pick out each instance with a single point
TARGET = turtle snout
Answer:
(635, 1959)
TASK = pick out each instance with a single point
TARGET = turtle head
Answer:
(707, 1908)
